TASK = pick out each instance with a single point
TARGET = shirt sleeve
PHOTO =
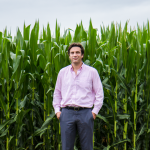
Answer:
(98, 90)
(57, 94)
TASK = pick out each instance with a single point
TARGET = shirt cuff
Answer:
(57, 110)
(95, 110)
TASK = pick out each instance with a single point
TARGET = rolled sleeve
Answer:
(98, 90)
(57, 94)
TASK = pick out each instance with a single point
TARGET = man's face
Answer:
(75, 55)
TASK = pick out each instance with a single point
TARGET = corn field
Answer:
(30, 62)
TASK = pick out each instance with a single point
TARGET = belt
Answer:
(76, 108)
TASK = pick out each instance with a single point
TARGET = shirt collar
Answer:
(82, 66)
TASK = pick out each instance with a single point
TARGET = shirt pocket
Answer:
(85, 83)
(60, 115)
(91, 115)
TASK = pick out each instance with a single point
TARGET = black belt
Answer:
(76, 108)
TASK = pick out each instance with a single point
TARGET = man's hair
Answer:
(76, 45)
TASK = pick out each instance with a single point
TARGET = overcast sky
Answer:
(68, 13)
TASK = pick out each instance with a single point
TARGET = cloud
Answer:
(71, 12)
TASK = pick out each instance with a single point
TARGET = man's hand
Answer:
(58, 115)
(94, 115)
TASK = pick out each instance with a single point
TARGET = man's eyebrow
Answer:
(75, 52)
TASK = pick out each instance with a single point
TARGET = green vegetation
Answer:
(29, 64)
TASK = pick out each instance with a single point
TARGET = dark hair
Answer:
(76, 45)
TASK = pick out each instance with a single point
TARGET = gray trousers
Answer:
(72, 121)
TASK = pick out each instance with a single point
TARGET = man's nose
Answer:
(75, 54)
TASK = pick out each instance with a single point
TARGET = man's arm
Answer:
(99, 94)
(57, 96)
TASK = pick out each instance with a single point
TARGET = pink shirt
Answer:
(81, 90)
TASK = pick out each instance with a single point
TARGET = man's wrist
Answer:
(57, 110)
(95, 110)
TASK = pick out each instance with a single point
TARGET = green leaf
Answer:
(107, 148)
(103, 118)
(21, 115)
(16, 63)
(37, 132)
(11, 137)
(3, 104)
(141, 132)
(120, 142)
(0, 42)
(38, 145)
(23, 103)
(0, 58)
(41, 61)
(148, 131)
(4, 132)
(124, 116)
(33, 45)
(4, 124)
(47, 121)
(50, 89)
(44, 127)
(122, 80)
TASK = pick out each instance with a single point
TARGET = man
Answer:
(78, 87)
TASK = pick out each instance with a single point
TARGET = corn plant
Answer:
(29, 64)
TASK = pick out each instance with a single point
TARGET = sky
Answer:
(69, 13)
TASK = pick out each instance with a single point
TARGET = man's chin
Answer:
(76, 62)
